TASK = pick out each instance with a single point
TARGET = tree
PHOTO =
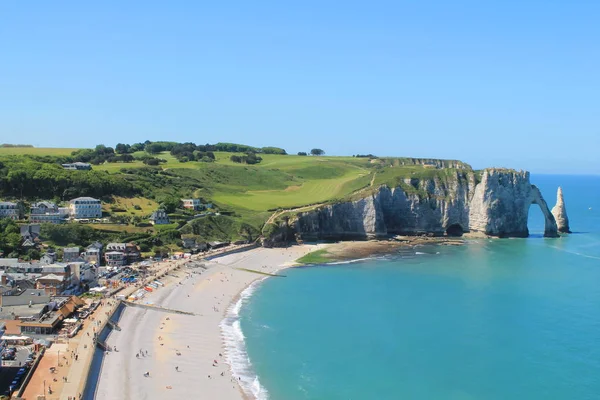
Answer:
(169, 203)
(317, 152)
(153, 148)
(301, 153)
(122, 148)
(136, 147)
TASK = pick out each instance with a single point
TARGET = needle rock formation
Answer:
(560, 213)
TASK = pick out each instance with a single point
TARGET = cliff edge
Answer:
(500, 205)
(496, 203)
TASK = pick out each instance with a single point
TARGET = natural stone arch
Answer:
(455, 230)
(500, 205)
(550, 228)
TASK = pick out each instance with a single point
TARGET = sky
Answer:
(495, 84)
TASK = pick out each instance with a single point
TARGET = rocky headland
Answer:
(492, 202)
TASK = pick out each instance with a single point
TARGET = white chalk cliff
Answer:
(451, 203)
(560, 213)
(500, 205)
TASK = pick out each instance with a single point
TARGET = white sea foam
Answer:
(351, 261)
(419, 253)
(235, 348)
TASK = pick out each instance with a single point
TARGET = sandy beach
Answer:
(179, 351)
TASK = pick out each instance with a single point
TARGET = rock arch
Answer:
(500, 205)
(550, 227)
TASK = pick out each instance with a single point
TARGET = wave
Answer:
(235, 347)
(351, 261)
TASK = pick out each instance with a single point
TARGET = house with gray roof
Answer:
(70, 254)
(9, 210)
(159, 217)
(47, 212)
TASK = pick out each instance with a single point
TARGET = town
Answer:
(44, 302)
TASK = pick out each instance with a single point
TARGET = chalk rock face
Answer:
(417, 206)
(560, 213)
(361, 219)
(500, 205)
(447, 203)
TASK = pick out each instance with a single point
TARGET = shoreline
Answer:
(206, 353)
(188, 354)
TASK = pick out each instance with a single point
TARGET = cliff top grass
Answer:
(248, 193)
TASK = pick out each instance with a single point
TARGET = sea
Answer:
(493, 319)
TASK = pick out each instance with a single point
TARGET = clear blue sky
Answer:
(514, 84)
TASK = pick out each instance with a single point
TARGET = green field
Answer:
(36, 151)
(244, 194)
(277, 182)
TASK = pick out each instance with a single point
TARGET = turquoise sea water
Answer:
(494, 319)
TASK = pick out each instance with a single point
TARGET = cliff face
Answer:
(429, 206)
(450, 203)
(500, 205)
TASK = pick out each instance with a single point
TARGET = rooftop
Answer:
(85, 199)
(51, 277)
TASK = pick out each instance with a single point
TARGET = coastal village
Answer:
(47, 304)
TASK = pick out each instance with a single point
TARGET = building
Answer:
(47, 320)
(49, 258)
(159, 217)
(82, 272)
(70, 254)
(9, 210)
(191, 204)
(52, 284)
(80, 166)
(93, 253)
(130, 252)
(30, 232)
(48, 213)
(85, 207)
(115, 258)
(217, 245)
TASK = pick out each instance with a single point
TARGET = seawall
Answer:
(90, 380)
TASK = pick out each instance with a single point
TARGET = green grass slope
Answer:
(246, 194)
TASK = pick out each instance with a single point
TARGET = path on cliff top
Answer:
(276, 214)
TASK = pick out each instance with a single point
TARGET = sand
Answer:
(190, 343)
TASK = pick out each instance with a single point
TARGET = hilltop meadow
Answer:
(245, 185)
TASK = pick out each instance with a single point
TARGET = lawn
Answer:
(147, 206)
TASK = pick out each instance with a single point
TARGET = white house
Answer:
(9, 210)
(77, 166)
(192, 204)
(85, 207)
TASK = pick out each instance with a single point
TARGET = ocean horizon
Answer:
(492, 319)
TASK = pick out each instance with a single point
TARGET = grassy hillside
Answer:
(245, 195)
